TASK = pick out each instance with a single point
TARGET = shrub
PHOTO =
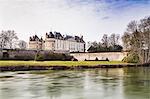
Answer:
(74, 59)
(131, 58)
(57, 56)
(96, 59)
(23, 57)
(39, 57)
(107, 59)
(34, 55)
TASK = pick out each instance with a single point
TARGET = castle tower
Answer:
(49, 41)
(35, 43)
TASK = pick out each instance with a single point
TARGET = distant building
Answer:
(57, 42)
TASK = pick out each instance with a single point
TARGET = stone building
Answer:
(57, 42)
(36, 43)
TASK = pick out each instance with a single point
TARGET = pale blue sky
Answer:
(90, 18)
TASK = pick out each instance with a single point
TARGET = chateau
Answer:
(57, 42)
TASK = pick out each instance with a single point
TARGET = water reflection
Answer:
(137, 84)
(127, 83)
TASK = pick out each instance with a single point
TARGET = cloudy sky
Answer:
(90, 18)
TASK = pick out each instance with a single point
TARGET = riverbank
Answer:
(57, 63)
(60, 65)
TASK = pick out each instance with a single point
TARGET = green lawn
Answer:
(57, 63)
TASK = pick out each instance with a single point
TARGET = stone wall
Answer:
(112, 56)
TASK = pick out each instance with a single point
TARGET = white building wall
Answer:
(49, 44)
(57, 44)
(67, 45)
(112, 56)
(34, 45)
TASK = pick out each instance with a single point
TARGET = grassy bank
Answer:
(59, 63)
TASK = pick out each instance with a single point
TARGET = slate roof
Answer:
(58, 35)
(36, 38)
(50, 35)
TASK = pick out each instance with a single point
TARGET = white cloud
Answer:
(89, 18)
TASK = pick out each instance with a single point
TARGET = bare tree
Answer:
(113, 39)
(105, 41)
(137, 38)
(126, 40)
(7, 38)
(94, 44)
(145, 30)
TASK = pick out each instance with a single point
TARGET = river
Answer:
(118, 83)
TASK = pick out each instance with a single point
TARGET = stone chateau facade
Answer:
(55, 41)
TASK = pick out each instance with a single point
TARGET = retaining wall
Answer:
(112, 56)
